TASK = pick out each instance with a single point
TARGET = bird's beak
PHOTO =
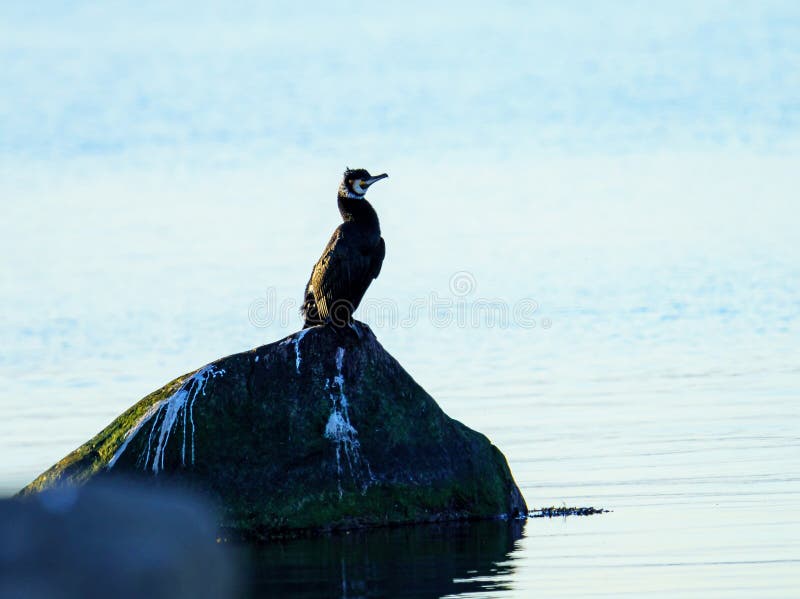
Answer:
(371, 180)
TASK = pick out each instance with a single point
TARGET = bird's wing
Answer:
(342, 274)
(377, 259)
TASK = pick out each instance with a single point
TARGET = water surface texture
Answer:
(592, 257)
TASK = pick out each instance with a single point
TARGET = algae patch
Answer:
(564, 511)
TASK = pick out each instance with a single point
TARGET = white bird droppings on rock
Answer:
(340, 430)
(295, 340)
(165, 414)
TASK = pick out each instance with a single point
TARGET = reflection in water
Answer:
(413, 561)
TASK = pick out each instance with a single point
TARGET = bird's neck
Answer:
(358, 210)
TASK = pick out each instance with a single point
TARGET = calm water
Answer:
(621, 179)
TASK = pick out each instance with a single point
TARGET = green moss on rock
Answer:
(312, 432)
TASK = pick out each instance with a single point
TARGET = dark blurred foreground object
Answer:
(114, 540)
(315, 432)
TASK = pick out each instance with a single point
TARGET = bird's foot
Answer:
(363, 328)
(354, 326)
(347, 333)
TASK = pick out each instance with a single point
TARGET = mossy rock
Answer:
(318, 431)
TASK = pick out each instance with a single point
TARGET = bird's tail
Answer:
(309, 310)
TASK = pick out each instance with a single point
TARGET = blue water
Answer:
(624, 172)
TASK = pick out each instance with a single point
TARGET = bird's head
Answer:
(356, 182)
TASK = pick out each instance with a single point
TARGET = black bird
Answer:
(351, 260)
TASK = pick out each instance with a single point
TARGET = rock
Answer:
(317, 431)
(113, 539)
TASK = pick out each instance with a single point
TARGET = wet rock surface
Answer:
(318, 431)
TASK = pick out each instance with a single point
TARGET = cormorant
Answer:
(351, 260)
